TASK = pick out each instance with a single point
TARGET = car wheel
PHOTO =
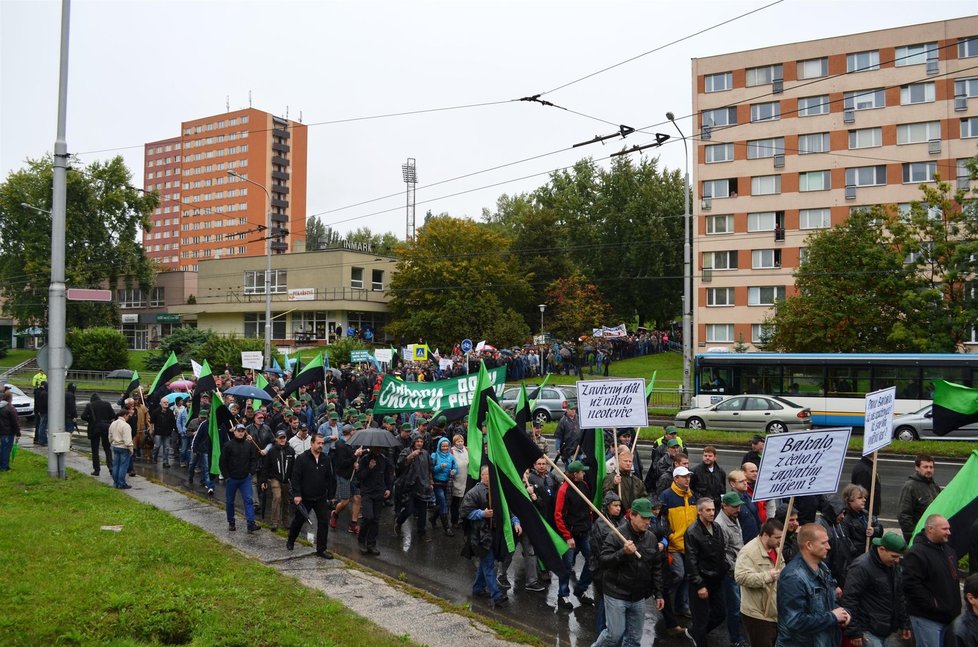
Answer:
(776, 428)
(541, 416)
(906, 433)
(695, 423)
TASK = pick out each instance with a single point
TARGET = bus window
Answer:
(715, 380)
(761, 379)
(906, 379)
(804, 380)
(848, 382)
(956, 374)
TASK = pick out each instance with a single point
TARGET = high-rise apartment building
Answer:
(205, 211)
(793, 137)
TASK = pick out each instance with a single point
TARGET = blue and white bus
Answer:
(832, 385)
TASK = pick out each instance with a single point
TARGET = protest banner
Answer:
(445, 364)
(396, 396)
(384, 355)
(878, 431)
(359, 356)
(801, 463)
(612, 403)
(251, 359)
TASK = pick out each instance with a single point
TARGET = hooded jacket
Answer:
(239, 458)
(443, 465)
(930, 581)
(596, 537)
(916, 495)
(98, 414)
(841, 549)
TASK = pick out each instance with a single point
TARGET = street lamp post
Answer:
(543, 346)
(542, 306)
(687, 275)
(268, 268)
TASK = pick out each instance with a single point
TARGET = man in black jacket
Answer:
(873, 595)
(275, 475)
(239, 460)
(706, 565)
(629, 580)
(313, 487)
(709, 480)
(964, 631)
(930, 583)
(99, 415)
(862, 474)
(376, 476)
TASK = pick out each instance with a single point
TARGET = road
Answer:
(437, 567)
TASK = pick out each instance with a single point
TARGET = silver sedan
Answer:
(919, 425)
(760, 413)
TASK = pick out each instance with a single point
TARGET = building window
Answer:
(719, 153)
(356, 278)
(914, 172)
(918, 133)
(915, 54)
(720, 117)
(864, 99)
(760, 148)
(763, 221)
(132, 298)
(815, 181)
(863, 61)
(963, 173)
(718, 82)
(765, 295)
(157, 296)
(765, 185)
(918, 93)
(725, 188)
(966, 87)
(968, 47)
(866, 175)
(865, 138)
(717, 297)
(814, 143)
(760, 333)
(254, 281)
(815, 218)
(377, 280)
(764, 75)
(254, 325)
(811, 106)
(719, 332)
(765, 259)
(969, 127)
(765, 111)
(309, 324)
(720, 224)
(720, 260)
(813, 68)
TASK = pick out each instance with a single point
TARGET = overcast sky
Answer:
(139, 68)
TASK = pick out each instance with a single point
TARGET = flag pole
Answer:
(638, 430)
(617, 466)
(777, 563)
(594, 508)
(869, 514)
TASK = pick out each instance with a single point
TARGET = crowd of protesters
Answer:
(688, 540)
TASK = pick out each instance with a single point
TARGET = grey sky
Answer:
(138, 68)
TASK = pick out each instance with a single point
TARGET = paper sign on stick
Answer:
(878, 432)
(612, 403)
(801, 463)
(251, 359)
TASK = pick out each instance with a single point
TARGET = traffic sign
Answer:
(44, 360)
(466, 345)
(84, 294)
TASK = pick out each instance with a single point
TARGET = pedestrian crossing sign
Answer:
(419, 352)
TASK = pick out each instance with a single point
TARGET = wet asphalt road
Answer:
(437, 567)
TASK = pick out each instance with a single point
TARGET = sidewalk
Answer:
(372, 597)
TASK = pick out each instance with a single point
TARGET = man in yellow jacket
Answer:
(679, 512)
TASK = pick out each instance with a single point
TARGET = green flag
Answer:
(219, 414)
(133, 383)
(312, 372)
(958, 503)
(170, 370)
(592, 448)
(651, 385)
(261, 383)
(477, 415)
(954, 407)
(205, 385)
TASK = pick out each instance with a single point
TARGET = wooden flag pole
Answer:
(638, 430)
(593, 507)
(869, 504)
(617, 466)
(777, 563)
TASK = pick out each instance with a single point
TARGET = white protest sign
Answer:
(878, 431)
(445, 364)
(251, 359)
(801, 463)
(612, 403)
(196, 368)
(384, 355)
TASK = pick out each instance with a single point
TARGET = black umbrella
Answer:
(120, 374)
(374, 437)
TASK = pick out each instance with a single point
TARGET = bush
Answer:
(339, 352)
(185, 342)
(219, 351)
(97, 349)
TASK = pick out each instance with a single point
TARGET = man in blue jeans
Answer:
(120, 438)
(200, 447)
(476, 511)
(572, 516)
(239, 460)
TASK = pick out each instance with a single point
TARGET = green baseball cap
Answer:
(405, 426)
(642, 507)
(577, 466)
(891, 541)
(732, 499)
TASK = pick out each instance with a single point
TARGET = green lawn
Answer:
(668, 367)
(157, 581)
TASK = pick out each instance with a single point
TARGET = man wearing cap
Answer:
(873, 594)
(629, 580)
(670, 432)
(536, 435)
(930, 582)
(330, 431)
(276, 472)
(680, 513)
(301, 441)
(706, 567)
(239, 460)
(572, 516)
(568, 435)
(728, 522)
(624, 481)
(756, 571)
(664, 463)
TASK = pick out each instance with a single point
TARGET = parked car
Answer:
(23, 403)
(919, 425)
(767, 413)
(551, 404)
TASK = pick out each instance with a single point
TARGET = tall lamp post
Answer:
(542, 306)
(268, 268)
(687, 275)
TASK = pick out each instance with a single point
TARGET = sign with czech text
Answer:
(612, 403)
(878, 430)
(397, 395)
(801, 463)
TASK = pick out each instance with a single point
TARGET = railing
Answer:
(321, 294)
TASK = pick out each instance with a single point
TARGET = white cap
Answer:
(680, 471)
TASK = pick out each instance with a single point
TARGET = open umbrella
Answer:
(177, 385)
(374, 437)
(173, 397)
(247, 391)
(120, 374)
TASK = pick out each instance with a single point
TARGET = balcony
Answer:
(280, 217)
(282, 148)
(281, 161)
(280, 175)
(779, 234)
(279, 188)
(279, 248)
(281, 133)
(284, 204)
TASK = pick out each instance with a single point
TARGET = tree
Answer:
(103, 214)
(97, 349)
(319, 236)
(457, 279)
(577, 307)
(383, 244)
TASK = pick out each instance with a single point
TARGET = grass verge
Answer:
(157, 581)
